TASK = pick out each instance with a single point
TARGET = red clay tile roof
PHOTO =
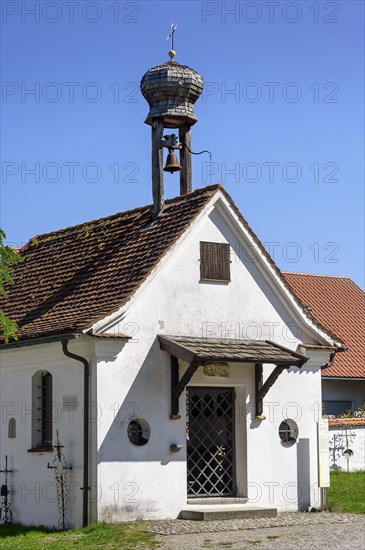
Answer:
(339, 305)
(350, 422)
(71, 278)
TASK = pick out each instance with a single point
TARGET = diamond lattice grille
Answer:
(210, 433)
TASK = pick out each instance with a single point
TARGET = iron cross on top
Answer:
(172, 52)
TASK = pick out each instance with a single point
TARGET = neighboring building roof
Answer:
(248, 351)
(338, 304)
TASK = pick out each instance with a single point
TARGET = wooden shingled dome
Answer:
(171, 90)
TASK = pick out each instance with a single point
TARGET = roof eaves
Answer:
(345, 377)
(90, 335)
(40, 340)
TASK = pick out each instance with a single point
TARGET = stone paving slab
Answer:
(290, 519)
(309, 535)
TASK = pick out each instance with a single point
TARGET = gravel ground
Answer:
(286, 532)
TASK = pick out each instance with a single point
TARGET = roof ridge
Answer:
(171, 200)
(339, 277)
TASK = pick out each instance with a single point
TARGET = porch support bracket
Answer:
(178, 386)
(262, 389)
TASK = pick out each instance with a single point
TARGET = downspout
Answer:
(85, 488)
(327, 364)
(324, 490)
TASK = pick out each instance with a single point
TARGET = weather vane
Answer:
(172, 52)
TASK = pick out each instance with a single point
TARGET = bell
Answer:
(172, 165)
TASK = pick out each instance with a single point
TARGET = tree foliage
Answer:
(8, 258)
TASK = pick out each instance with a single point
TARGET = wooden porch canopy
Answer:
(200, 351)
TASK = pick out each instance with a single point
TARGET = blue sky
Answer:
(282, 114)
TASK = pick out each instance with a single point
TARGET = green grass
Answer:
(124, 536)
(347, 492)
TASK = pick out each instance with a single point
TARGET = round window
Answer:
(138, 431)
(288, 432)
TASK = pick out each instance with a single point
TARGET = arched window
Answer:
(42, 409)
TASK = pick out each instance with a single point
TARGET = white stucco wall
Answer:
(338, 444)
(133, 380)
(150, 480)
(33, 493)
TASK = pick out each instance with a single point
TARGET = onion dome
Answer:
(171, 90)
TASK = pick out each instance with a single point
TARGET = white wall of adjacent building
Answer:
(349, 436)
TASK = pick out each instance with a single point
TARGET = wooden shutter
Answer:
(214, 261)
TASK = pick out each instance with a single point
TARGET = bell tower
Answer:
(171, 91)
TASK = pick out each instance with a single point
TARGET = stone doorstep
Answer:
(215, 512)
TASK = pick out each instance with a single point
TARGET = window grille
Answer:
(138, 432)
(288, 432)
(42, 409)
(210, 442)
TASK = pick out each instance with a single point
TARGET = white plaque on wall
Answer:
(70, 402)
